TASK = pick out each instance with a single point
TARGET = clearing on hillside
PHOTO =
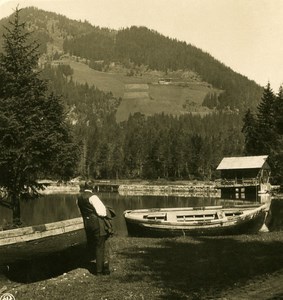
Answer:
(145, 94)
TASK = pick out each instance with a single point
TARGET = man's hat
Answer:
(86, 185)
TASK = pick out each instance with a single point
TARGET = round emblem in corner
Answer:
(7, 296)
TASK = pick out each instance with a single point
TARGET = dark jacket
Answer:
(84, 205)
(92, 222)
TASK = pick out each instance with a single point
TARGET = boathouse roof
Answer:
(242, 162)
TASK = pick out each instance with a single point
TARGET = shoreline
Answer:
(142, 188)
(149, 188)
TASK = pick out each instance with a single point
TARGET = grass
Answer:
(230, 267)
(104, 81)
(143, 94)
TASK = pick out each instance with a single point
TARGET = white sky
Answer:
(246, 35)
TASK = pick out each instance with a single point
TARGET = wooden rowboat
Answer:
(210, 220)
(27, 242)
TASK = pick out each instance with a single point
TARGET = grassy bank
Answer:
(231, 267)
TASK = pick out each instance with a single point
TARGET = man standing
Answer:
(93, 212)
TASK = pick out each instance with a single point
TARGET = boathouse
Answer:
(105, 186)
(165, 80)
(244, 177)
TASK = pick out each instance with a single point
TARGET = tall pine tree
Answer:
(278, 155)
(279, 111)
(266, 122)
(250, 131)
(264, 133)
(35, 141)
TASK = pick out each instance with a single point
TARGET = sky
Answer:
(246, 35)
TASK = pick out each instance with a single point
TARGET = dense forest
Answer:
(189, 146)
(159, 146)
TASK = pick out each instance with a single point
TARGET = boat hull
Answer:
(28, 242)
(250, 223)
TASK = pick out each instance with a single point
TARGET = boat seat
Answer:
(233, 214)
(195, 217)
(220, 215)
(156, 216)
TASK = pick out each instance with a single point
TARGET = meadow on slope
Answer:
(144, 94)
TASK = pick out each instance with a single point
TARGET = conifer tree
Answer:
(266, 122)
(279, 111)
(263, 133)
(250, 131)
(35, 141)
(278, 155)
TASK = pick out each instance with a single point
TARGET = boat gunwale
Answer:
(172, 209)
(198, 208)
(40, 231)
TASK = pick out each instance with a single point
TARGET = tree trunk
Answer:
(16, 210)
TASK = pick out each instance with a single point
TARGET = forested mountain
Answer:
(185, 144)
(141, 46)
(146, 47)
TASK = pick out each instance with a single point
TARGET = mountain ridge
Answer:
(140, 52)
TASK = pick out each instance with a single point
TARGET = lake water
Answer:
(57, 207)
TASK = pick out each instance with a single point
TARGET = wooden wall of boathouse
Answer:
(248, 193)
(106, 187)
(244, 177)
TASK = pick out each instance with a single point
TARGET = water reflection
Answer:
(57, 207)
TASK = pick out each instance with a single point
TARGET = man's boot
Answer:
(106, 269)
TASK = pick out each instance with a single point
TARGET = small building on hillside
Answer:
(165, 80)
(244, 177)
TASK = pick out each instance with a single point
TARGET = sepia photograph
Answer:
(141, 149)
